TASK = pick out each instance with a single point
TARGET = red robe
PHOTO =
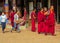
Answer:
(40, 22)
(46, 24)
(51, 23)
(12, 18)
(25, 12)
(33, 21)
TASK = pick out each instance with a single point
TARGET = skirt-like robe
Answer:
(12, 18)
(50, 23)
(33, 14)
(40, 22)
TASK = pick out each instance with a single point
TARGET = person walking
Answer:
(3, 21)
(41, 21)
(33, 17)
(12, 19)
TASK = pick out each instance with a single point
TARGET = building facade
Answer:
(30, 4)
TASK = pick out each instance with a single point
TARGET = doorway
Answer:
(20, 5)
(44, 3)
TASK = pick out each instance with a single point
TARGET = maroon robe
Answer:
(40, 22)
(46, 24)
(51, 23)
(33, 21)
(25, 12)
(12, 18)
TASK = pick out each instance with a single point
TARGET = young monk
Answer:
(52, 21)
(33, 17)
(25, 14)
(41, 21)
(12, 19)
(46, 21)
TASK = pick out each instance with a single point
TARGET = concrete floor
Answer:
(26, 36)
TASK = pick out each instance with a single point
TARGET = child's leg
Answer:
(18, 29)
(3, 26)
(15, 26)
(12, 25)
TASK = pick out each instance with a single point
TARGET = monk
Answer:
(52, 21)
(25, 14)
(12, 19)
(46, 20)
(33, 17)
(41, 21)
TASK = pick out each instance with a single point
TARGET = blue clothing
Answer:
(3, 25)
(3, 21)
(16, 25)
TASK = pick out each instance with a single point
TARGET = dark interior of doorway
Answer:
(20, 5)
(59, 10)
(10, 4)
(45, 3)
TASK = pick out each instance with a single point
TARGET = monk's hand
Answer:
(34, 17)
(46, 13)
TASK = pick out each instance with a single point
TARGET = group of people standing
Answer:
(14, 18)
(46, 20)
(17, 20)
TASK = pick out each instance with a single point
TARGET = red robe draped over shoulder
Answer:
(52, 22)
(25, 14)
(40, 22)
(12, 18)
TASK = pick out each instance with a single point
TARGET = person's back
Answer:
(3, 18)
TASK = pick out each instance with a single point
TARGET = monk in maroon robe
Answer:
(41, 21)
(33, 17)
(52, 21)
(46, 20)
(46, 23)
(12, 18)
(25, 14)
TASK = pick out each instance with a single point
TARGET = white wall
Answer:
(30, 9)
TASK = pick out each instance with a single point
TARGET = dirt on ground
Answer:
(26, 36)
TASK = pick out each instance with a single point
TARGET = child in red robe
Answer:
(12, 19)
(25, 14)
(33, 17)
(52, 21)
(46, 21)
(41, 21)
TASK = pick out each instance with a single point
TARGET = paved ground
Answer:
(26, 36)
